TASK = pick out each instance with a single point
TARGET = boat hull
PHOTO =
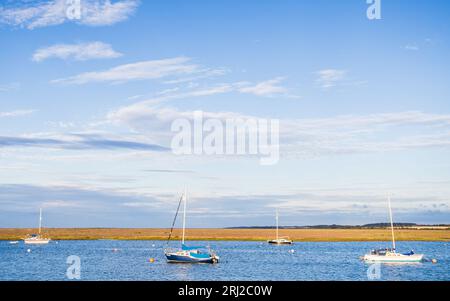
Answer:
(394, 258)
(276, 242)
(177, 258)
(36, 241)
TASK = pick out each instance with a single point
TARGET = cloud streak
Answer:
(79, 142)
(77, 52)
(173, 70)
(144, 70)
(412, 47)
(329, 78)
(266, 88)
(17, 113)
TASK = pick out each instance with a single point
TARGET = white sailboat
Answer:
(279, 240)
(37, 239)
(188, 254)
(391, 255)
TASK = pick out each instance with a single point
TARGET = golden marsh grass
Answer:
(310, 235)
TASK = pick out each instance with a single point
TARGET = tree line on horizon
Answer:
(334, 226)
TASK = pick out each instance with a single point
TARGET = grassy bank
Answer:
(310, 235)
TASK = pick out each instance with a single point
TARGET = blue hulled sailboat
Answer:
(188, 254)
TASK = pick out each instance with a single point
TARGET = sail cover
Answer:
(186, 248)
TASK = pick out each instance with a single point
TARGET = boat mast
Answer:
(392, 223)
(40, 220)
(184, 214)
(276, 217)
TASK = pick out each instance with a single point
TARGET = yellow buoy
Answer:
(152, 260)
(434, 260)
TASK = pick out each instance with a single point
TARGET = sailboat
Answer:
(37, 239)
(390, 254)
(279, 240)
(188, 254)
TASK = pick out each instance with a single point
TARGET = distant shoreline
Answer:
(236, 234)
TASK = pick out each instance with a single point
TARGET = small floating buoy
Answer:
(434, 260)
(115, 250)
(29, 250)
(151, 260)
(292, 251)
(153, 246)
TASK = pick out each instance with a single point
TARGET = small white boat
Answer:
(15, 242)
(391, 255)
(280, 240)
(37, 239)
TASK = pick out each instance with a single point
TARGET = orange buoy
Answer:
(151, 260)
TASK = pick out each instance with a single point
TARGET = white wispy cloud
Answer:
(98, 13)
(37, 14)
(147, 118)
(266, 88)
(78, 52)
(205, 73)
(16, 113)
(175, 70)
(328, 78)
(306, 138)
(60, 204)
(154, 69)
(412, 47)
(366, 134)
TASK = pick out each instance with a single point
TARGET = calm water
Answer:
(239, 261)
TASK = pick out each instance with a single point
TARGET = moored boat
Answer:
(279, 240)
(191, 255)
(390, 254)
(188, 254)
(37, 239)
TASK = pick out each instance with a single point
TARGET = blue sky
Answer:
(86, 107)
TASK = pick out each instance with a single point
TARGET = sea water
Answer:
(144, 260)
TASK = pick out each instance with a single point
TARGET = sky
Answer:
(86, 106)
